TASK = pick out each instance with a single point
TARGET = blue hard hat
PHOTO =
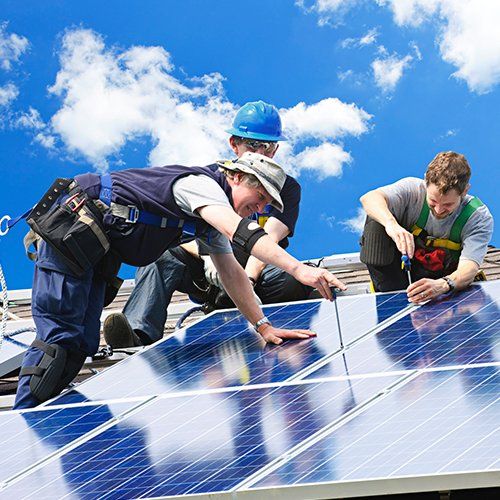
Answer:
(257, 120)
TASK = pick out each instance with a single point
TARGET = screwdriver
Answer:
(334, 293)
(406, 266)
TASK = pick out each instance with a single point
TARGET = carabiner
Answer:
(5, 218)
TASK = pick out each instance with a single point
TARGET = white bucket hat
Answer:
(270, 174)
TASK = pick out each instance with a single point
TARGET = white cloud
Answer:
(389, 70)
(326, 160)
(412, 12)
(8, 93)
(31, 120)
(12, 46)
(322, 122)
(329, 219)
(468, 34)
(328, 11)
(469, 37)
(110, 97)
(328, 119)
(355, 224)
(368, 39)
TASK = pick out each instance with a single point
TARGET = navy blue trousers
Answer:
(66, 311)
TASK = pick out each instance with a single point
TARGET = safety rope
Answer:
(186, 315)
(5, 306)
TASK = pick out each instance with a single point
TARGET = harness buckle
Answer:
(74, 203)
(133, 214)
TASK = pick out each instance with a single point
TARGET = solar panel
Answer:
(30, 437)
(436, 428)
(411, 404)
(12, 351)
(460, 330)
(222, 350)
(199, 443)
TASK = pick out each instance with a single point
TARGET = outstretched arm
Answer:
(225, 220)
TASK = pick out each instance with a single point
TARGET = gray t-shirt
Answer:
(195, 191)
(405, 199)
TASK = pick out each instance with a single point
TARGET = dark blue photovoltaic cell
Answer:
(462, 329)
(441, 422)
(28, 437)
(201, 443)
(221, 350)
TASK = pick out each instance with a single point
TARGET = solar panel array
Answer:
(410, 403)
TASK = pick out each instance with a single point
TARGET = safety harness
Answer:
(436, 254)
(133, 215)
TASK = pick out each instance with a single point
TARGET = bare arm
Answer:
(238, 287)
(427, 289)
(375, 205)
(226, 221)
(276, 231)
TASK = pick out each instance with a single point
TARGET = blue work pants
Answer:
(66, 311)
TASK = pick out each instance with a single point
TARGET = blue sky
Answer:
(369, 91)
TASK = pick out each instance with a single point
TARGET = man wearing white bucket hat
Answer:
(256, 128)
(135, 215)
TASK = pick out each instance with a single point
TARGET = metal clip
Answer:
(74, 203)
(133, 214)
(6, 219)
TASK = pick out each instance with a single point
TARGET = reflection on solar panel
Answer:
(31, 437)
(13, 349)
(410, 405)
(221, 350)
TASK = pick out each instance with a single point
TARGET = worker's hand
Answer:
(426, 289)
(211, 273)
(274, 335)
(403, 239)
(318, 278)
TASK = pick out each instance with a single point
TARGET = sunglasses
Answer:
(256, 145)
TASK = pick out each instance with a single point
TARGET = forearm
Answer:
(254, 267)
(238, 287)
(465, 274)
(375, 205)
(266, 250)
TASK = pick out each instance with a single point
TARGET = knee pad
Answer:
(74, 363)
(46, 375)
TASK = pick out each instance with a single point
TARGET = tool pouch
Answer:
(72, 226)
(377, 248)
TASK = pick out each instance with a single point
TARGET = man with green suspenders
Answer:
(434, 222)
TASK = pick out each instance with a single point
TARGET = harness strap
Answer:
(36, 370)
(460, 221)
(133, 215)
(454, 241)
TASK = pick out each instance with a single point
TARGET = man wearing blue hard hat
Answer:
(256, 128)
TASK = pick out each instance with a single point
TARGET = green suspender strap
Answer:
(418, 227)
(461, 220)
(454, 242)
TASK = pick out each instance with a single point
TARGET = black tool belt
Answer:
(70, 222)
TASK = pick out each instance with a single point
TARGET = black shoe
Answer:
(118, 333)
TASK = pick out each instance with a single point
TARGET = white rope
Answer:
(5, 306)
